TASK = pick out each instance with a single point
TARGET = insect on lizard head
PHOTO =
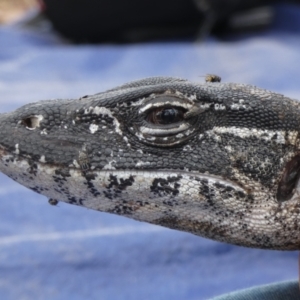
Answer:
(213, 159)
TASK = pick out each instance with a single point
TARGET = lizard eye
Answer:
(166, 115)
(289, 180)
(162, 120)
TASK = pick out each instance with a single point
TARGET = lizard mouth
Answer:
(160, 182)
(289, 180)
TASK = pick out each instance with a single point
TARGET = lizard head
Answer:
(217, 160)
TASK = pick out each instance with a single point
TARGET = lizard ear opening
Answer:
(288, 183)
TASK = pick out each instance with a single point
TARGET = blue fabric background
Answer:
(67, 252)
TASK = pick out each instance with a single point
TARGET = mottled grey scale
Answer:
(220, 160)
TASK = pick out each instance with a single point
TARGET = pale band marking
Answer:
(264, 134)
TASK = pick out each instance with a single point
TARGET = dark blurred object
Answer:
(134, 20)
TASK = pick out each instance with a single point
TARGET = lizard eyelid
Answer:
(163, 121)
(165, 101)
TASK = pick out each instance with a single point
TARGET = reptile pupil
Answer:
(164, 116)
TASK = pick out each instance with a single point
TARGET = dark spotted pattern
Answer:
(163, 187)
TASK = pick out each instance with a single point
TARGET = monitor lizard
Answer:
(219, 160)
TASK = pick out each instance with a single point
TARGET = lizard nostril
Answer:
(32, 122)
(289, 180)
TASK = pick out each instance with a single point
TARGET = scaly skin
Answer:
(217, 160)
